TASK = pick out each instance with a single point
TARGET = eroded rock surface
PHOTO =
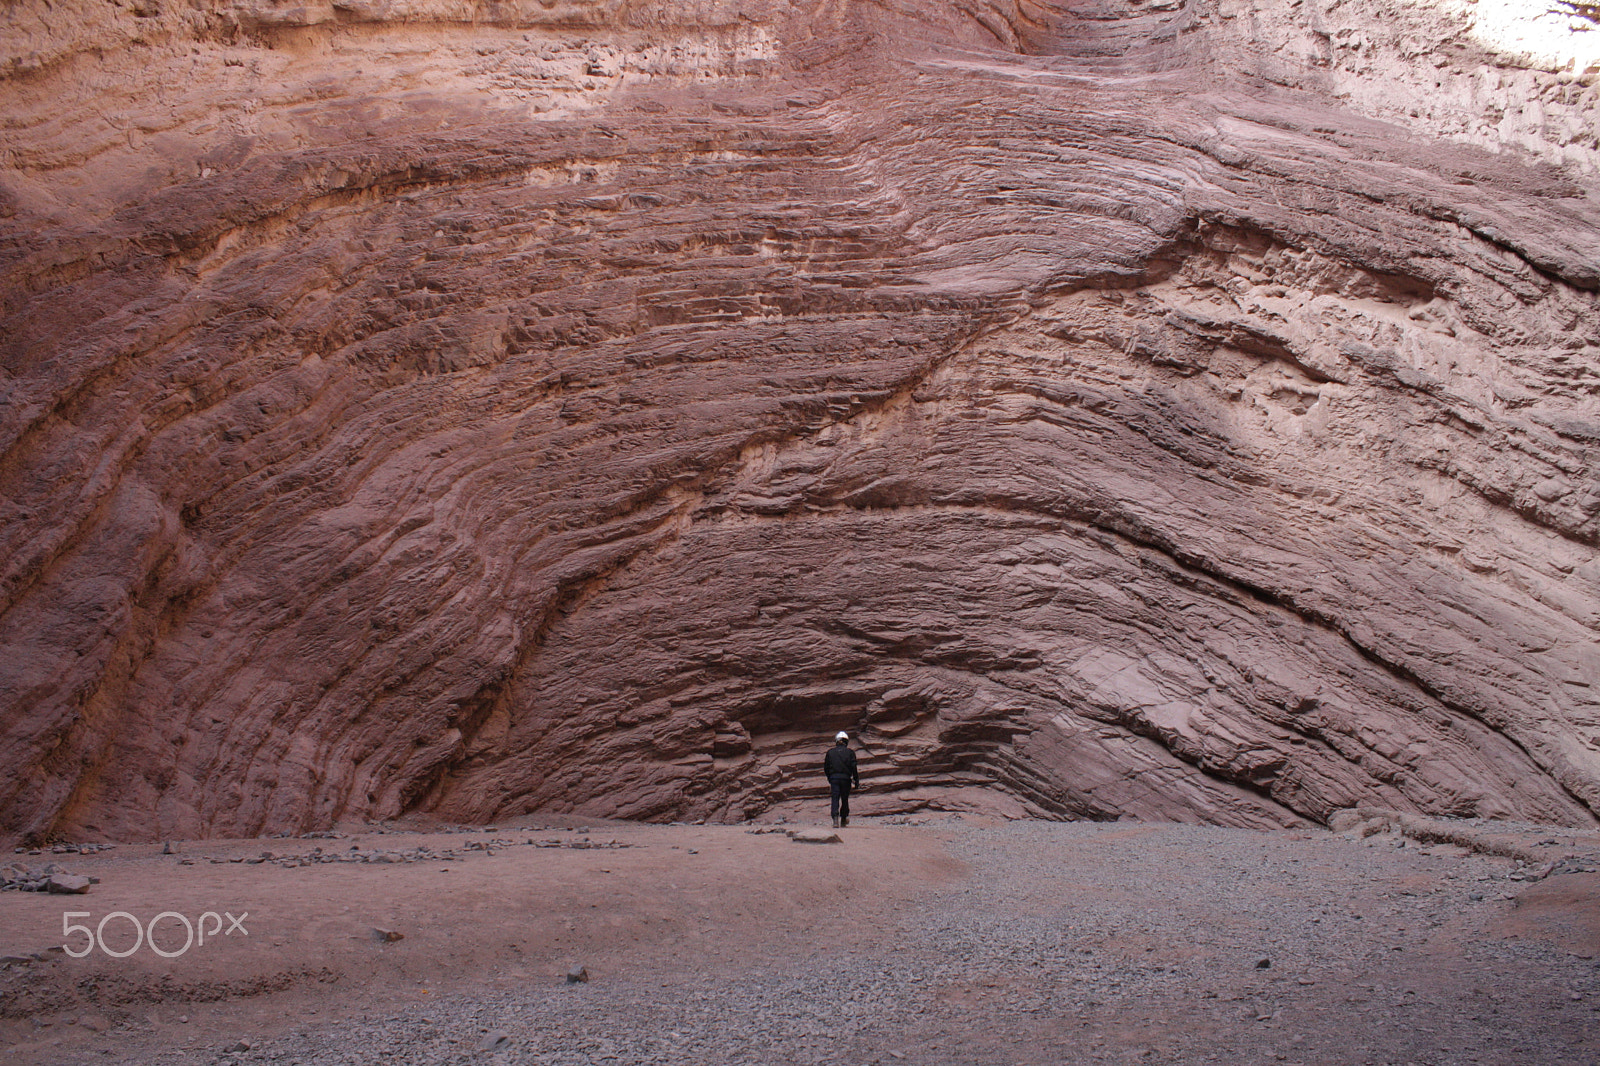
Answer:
(1130, 408)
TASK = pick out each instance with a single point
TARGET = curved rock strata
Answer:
(1113, 409)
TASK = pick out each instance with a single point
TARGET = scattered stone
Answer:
(19, 878)
(238, 1046)
(387, 936)
(578, 974)
(1263, 964)
(494, 1040)
(76, 849)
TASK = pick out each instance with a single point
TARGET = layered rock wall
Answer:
(486, 407)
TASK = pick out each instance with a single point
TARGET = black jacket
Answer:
(841, 762)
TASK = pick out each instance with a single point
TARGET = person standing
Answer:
(840, 767)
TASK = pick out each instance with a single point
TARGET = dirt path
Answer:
(952, 941)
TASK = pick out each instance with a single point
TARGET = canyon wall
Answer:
(1186, 409)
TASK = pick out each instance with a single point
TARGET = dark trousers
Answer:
(839, 804)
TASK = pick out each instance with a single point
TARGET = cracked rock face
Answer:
(1098, 410)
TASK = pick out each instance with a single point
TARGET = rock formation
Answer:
(1182, 409)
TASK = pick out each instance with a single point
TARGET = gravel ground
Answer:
(1076, 942)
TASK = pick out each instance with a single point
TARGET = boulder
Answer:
(814, 836)
(65, 884)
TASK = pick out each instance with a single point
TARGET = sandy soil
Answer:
(960, 940)
(614, 897)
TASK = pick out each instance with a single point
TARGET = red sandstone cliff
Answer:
(1175, 408)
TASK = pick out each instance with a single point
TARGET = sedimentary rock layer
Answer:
(489, 407)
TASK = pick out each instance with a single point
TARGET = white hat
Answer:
(841, 735)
